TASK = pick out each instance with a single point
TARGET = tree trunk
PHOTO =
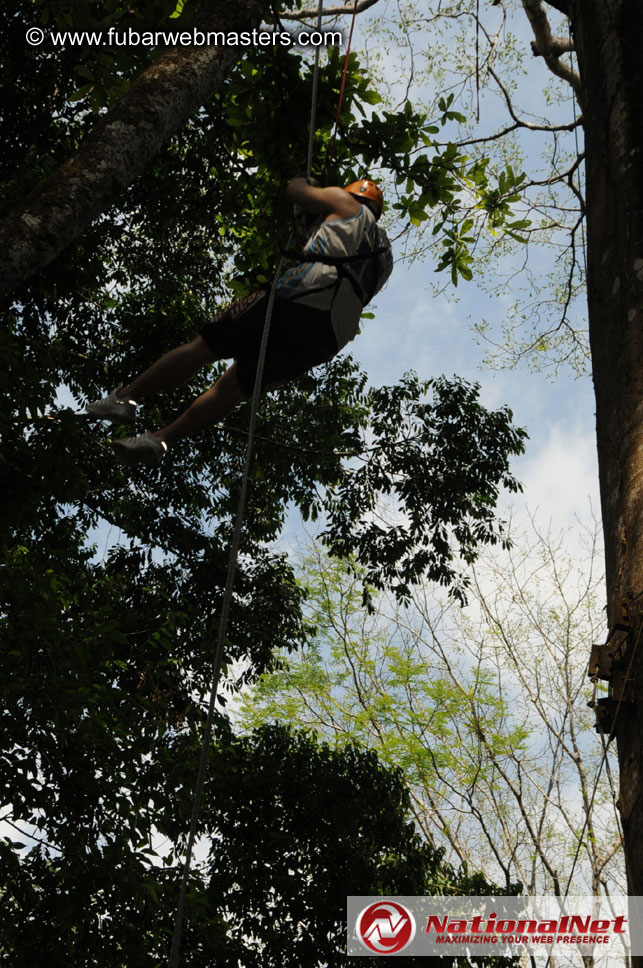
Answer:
(121, 144)
(609, 41)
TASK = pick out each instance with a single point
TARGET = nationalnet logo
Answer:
(566, 930)
(609, 929)
(385, 927)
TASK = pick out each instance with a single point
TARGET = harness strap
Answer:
(333, 260)
(339, 263)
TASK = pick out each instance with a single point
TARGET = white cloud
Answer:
(560, 478)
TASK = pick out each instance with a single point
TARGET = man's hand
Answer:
(332, 202)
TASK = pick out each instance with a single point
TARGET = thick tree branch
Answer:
(549, 47)
(560, 5)
(121, 144)
(310, 12)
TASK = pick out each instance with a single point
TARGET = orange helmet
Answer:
(367, 189)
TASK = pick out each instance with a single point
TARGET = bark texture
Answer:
(609, 41)
(121, 144)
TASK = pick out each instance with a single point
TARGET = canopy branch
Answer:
(520, 122)
(311, 12)
(561, 5)
(549, 47)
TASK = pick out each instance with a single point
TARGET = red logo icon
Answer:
(385, 927)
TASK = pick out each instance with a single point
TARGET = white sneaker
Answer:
(111, 408)
(146, 449)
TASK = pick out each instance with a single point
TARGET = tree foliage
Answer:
(485, 709)
(293, 826)
(441, 465)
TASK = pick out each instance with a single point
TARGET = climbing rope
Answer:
(313, 104)
(580, 177)
(175, 951)
(604, 762)
(331, 151)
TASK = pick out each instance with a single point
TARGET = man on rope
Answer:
(316, 312)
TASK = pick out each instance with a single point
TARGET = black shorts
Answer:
(300, 338)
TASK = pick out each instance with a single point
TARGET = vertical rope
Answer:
(313, 106)
(175, 951)
(331, 151)
(478, 60)
(580, 177)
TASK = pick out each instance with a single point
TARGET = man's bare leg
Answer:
(208, 409)
(172, 370)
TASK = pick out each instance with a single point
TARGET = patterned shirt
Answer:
(315, 284)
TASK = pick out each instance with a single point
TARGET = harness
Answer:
(339, 262)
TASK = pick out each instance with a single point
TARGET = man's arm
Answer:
(334, 202)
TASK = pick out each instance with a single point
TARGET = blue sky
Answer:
(413, 329)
